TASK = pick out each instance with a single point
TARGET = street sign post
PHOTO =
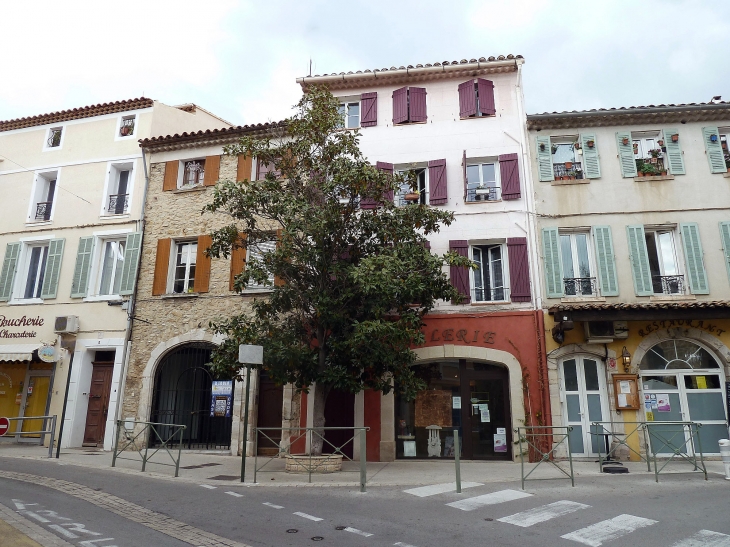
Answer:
(248, 355)
(4, 426)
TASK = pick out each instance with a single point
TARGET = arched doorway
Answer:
(182, 395)
(683, 381)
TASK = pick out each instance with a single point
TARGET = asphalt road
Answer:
(681, 510)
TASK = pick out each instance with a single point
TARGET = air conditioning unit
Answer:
(603, 332)
(66, 324)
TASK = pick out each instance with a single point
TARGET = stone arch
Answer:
(716, 347)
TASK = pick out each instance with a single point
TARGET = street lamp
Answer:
(626, 359)
(248, 355)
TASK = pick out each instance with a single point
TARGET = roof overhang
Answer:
(209, 137)
(649, 311)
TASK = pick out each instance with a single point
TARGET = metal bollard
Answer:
(725, 454)
(457, 460)
(363, 460)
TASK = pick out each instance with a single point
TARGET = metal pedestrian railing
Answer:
(140, 441)
(294, 436)
(532, 439)
(617, 440)
(18, 433)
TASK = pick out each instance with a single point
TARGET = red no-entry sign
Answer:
(4, 426)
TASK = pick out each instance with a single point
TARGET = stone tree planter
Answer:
(327, 463)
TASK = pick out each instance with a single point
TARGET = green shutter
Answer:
(714, 150)
(725, 236)
(80, 283)
(7, 277)
(675, 161)
(553, 269)
(693, 256)
(591, 165)
(131, 260)
(626, 154)
(639, 260)
(606, 260)
(544, 159)
(53, 269)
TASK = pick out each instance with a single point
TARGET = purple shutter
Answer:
(519, 269)
(437, 182)
(510, 175)
(460, 276)
(400, 105)
(427, 244)
(467, 100)
(485, 88)
(368, 109)
(386, 168)
(417, 104)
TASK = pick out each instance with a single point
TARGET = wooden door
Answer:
(271, 399)
(339, 411)
(101, 383)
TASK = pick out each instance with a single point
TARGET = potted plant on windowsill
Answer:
(625, 141)
(568, 165)
(482, 190)
(412, 196)
(591, 143)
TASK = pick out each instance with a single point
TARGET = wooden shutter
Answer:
(519, 269)
(626, 154)
(715, 155)
(171, 174)
(53, 268)
(675, 160)
(694, 258)
(201, 283)
(460, 275)
(639, 260)
(725, 236)
(400, 105)
(553, 268)
(485, 90)
(467, 99)
(437, 182)
(278, 281)
(7, 276)
(162, 266)
(368, 109)
(132, 251)
(80, 281)
(212, 170)
(591, 165)
(510, 176)
(388, 195)
(243, 169)
(417, 104)
(238, 261)
(607, 278)
(544, 159)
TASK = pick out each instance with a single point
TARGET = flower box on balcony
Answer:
(412, 196)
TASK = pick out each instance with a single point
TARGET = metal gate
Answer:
(182, 395)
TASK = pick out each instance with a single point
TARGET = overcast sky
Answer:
(239, 58)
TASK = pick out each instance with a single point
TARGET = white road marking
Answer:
(543, 513)
(62, 530)
(274, 506)
(401, 544)
(433, 489)
(607, 530)
(705, 538)
(95, 542)
(208, 486)
(235, 494)
(36, 516)
(19, 505)
(469, 504)
(358, 532)
(306, 516)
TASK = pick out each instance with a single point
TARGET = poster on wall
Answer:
(456, 403)
(409, 449)
(648, 410)
(484, 413)
(500, 442)
(662, 402)
(221, 398)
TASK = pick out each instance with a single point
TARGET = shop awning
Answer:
(643, 311)
(17, 352)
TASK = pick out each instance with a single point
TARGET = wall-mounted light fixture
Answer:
(626, 359)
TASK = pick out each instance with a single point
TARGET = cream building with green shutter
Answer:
(633, 210)
(71, 222)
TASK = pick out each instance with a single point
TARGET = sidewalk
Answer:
(222, 469)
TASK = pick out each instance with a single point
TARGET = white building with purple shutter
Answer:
(461, 127)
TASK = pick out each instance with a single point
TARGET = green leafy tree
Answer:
(352, 285)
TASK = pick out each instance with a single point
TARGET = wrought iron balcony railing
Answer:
(43, 210)
(54, 138)
(500, 294)
(490, 193)
(118, 204)
(560, 171)
(668, 284)
(580, 286)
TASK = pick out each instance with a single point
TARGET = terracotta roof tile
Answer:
(77, 113)
(622, 306)
(223, 133)
(628, 109)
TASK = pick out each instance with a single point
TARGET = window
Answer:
(481, 182)
(724, 136)
(54, 137)
(407, 195)
(110, 271)
(566, 154)
(648, 152)
(35, 269)
(409, 105)
(350, 112)
(663, 263)
(118, 186)
(476, 98)
(184, 269)
(126, 126)
(256, 253)
(575, 255)
(489, 274)
(44, 191)
(193, 173)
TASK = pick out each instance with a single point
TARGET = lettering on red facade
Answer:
(462, 335)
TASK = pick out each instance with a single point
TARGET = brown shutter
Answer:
(486, 97)
(437, 182)
(171, 171)
(212, 170)
(510, 176)
(202, 265)
(459, 275)
(417, 104)
(368, 109)
(278, 281)
(519, 269)
(467, 99)
(162, 263)
(386, 167)
(243, 171)
(400, 105)
(238, 260)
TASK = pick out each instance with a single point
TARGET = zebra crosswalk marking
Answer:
(705, 538)
(433, 489)
(469, 504)
(596, 534)
(543, 513)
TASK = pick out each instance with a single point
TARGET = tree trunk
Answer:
(321, 391)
